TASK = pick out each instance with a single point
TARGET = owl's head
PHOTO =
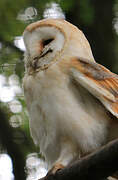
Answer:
(49, 40)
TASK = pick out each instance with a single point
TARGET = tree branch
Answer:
(97, 165)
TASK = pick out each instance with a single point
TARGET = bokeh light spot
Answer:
(36, 167)
(53, 10)
(15, 121)
(15, 106)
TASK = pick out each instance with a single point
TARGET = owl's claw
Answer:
(53, 171)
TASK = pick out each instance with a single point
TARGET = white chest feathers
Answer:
(62, 122)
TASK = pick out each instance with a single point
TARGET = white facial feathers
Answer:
(43, 44)
(32, 39)
(50, 40)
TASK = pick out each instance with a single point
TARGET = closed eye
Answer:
(46, 42)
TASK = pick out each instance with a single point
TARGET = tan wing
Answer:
(98, 80)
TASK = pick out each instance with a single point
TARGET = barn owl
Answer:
(72, 100)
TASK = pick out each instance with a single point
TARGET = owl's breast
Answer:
(46, 95)
(60, 110)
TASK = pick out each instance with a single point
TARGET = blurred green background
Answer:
(99, 22)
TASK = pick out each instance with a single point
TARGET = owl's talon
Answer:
(54, 169)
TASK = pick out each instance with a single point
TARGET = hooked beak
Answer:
(37, 58)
